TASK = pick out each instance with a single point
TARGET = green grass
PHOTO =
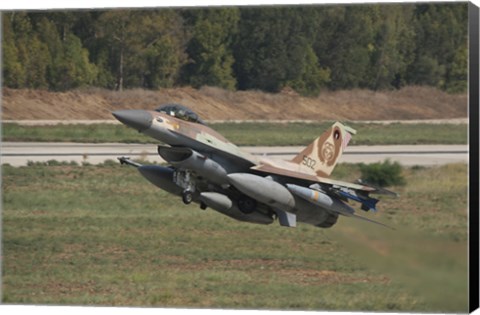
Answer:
(269, 134)
(102, 235)
(95, 133)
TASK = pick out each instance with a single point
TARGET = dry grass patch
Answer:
(216, 104)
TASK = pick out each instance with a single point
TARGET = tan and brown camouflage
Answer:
(208, 169)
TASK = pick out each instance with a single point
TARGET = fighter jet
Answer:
(207, 169)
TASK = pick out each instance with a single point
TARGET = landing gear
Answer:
(329, 221)
(184, 179)
(187, 197)
(246, 204)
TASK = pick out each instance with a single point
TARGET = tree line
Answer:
(305, 48)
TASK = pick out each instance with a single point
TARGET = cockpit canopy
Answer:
(180, 112)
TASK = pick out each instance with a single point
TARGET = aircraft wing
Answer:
(224, 149)
(270, 169)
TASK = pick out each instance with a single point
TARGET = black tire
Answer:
(187, 197)
(247, 205)
(329, 221)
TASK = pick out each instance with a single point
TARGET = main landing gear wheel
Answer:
(187, 197)
(247, 205)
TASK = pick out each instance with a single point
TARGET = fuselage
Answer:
(209, 169)
(178, 132)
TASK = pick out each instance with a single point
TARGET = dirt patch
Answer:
(181, 263)
(309, 277)
(280, 268)
(217, 104)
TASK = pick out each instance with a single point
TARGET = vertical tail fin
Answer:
(322, 154)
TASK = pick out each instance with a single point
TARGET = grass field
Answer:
(102, 235)
(266, 134)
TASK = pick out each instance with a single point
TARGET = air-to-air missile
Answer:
(326, 202)
(321, 199)
(263, 190)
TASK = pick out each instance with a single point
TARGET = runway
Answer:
(20, 153)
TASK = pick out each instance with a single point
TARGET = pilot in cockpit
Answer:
(180, 112)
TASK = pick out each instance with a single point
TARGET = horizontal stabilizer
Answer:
(377, 190)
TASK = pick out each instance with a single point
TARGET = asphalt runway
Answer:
(20, 153)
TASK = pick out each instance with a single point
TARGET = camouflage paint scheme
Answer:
(208, 169)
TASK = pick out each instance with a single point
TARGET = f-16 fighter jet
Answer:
(207, 169)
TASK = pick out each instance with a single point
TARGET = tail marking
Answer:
(323, 153)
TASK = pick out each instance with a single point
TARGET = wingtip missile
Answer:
(378, 190)
(367, 202)
(325, 201)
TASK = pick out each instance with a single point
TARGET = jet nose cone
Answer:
(137, 119)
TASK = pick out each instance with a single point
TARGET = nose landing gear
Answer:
(187, 197)
(184, 179)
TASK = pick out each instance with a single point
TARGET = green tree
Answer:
(36, 63)
(163, 60)
(209, 48)
(32, 52)
(113, 26)
(13, 70)
(63, 21)
(160, 50)
(312, 77)
(392, 50)
(441, 36)
(458, 72)
(99, 50)
(48, 34)
(272, 51)
(138, 41)
(303, 47)
(349, 50)
(74, 69)
(69, 65)
(260, 53)
(426, 70)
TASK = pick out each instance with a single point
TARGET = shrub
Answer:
(109, 163)
(382, 174)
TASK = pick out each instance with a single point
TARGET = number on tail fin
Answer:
(323, 153)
